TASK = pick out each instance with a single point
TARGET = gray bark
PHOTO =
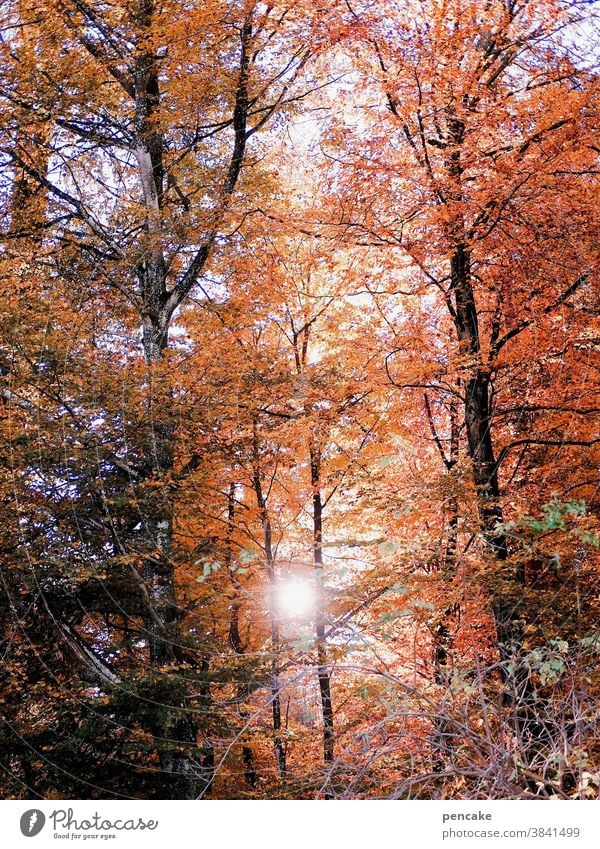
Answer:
(176, 734)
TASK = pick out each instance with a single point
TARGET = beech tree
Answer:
(119, 101)
(485, 125)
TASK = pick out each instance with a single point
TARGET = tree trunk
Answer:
(176, 733)
(322, 666)
(445, 627)
(477, 411)
(506, 583)
(443, 631)
(477, 402)
(280, 748)
(235, 637)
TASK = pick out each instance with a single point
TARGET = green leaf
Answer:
(590, 538)
(246, 555)
(424, 605)
(591, 642)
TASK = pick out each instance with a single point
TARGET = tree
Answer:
(124, 211)
(488, 117)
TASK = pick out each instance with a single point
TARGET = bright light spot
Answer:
(295, 598)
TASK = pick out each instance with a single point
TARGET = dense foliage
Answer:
(299, 399)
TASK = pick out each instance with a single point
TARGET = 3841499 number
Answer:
(544, 831)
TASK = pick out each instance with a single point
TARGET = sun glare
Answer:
(295, 597)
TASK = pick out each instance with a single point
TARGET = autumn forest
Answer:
(299, 399)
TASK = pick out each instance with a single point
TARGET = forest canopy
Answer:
(299, 399)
